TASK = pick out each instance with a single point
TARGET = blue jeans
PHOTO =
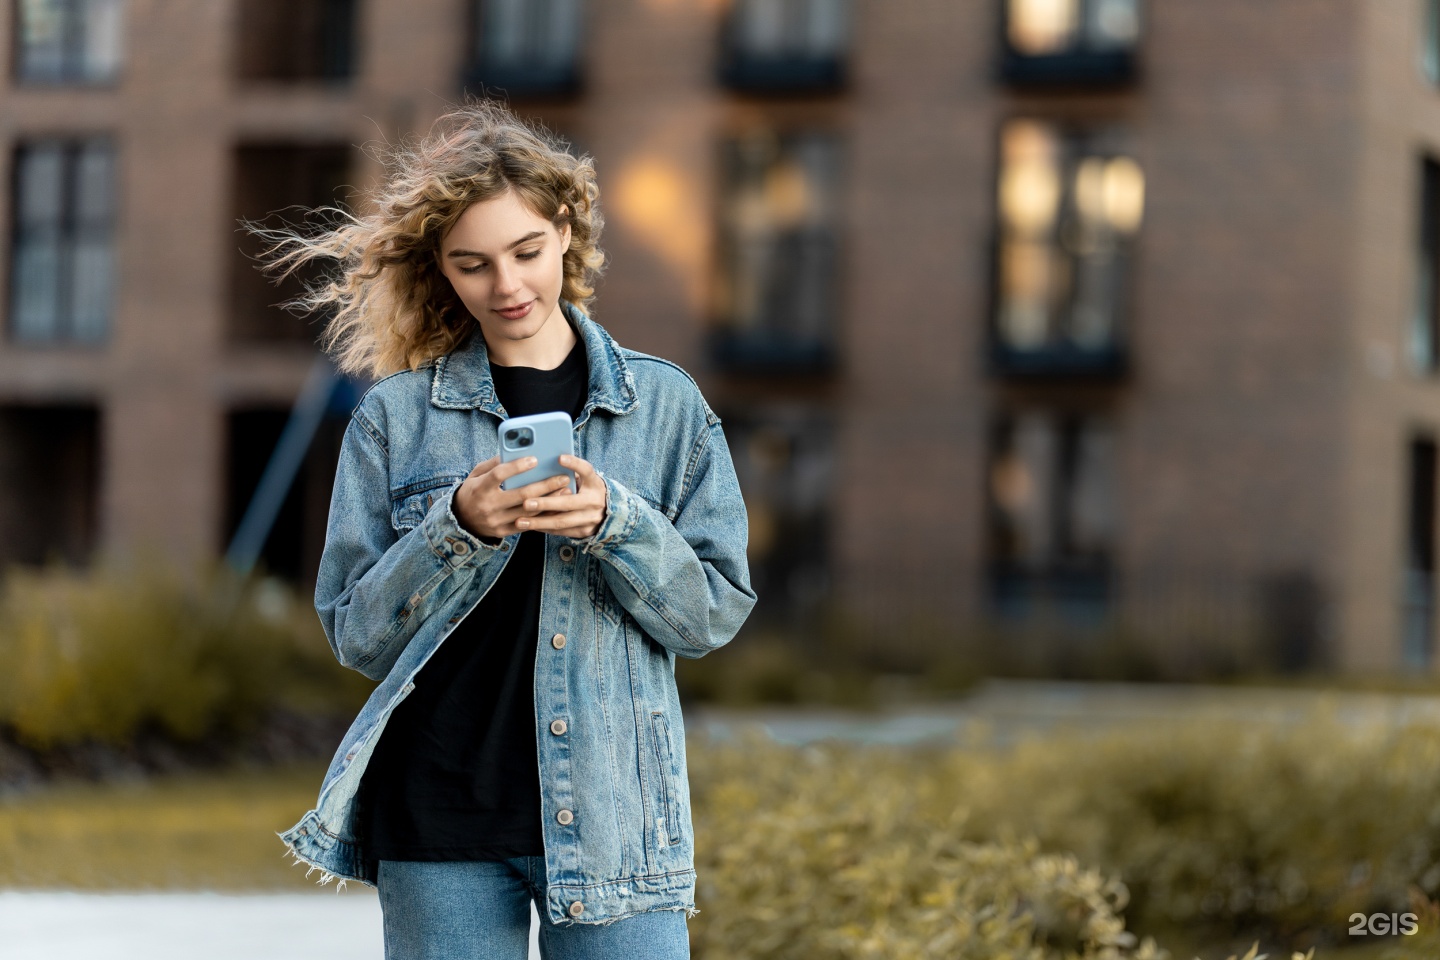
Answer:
(480, 910)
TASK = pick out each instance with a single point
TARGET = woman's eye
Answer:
(475, 269)
(528, 256)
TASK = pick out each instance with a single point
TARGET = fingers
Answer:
(482, 468)
(543, 488)
(504, 471)
(584, 469)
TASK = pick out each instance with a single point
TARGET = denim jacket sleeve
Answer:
(686, 581)
(374, 589)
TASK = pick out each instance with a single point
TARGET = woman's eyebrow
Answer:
(471, 253)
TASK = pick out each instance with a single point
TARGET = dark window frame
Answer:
(330, 55)
(765, 348)
(70, 236)
(73, 71)
(563, 80)
(306, 174)
(787, 72)
(1081, 586)
(1061, 357)
(1076, 65)
(1423, 346)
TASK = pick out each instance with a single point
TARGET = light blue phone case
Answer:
(550, 435)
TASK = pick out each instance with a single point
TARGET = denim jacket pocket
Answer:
(410, 503)
(669, 832)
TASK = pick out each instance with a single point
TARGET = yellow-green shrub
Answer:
(102, 654)
(835, 850)
(819, 855)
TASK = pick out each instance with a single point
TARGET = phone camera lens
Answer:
(511, 435)
(524, 441)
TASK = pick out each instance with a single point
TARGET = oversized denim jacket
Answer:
(665, 575)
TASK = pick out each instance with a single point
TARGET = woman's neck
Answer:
(546, 350)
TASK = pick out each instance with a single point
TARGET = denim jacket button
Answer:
(567, 553)
(557, 727)
(304, 831)
(461, 547)
(564, 816)
(558, 641)
(577, 908)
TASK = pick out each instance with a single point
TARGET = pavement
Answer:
(44, 925)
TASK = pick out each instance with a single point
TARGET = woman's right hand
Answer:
(489, 512)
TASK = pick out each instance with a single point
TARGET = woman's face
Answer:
(505, 263)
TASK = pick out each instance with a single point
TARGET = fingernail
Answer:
(522, 523)
(531, 504)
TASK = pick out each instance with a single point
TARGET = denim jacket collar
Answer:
(462, 377)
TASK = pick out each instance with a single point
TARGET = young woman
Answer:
(525, 740)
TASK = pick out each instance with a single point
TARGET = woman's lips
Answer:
(515, 313)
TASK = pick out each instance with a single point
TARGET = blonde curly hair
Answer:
(390, 308)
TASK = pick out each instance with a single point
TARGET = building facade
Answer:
(1063, 312)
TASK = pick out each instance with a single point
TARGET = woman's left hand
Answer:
(576, 515)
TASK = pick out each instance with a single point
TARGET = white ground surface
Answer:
(196, 926)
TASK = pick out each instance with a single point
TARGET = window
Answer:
(269, 178)
(775, 296)
(784, 460)
(1069, 207)
(1425, 318)
(1069, 41)
(63, 258)
(1430, 42)
(1419, 584)
(296, 538)
(296, 40)
(785, 46)
(50, 456)
(68, 41)
(526, 48)
(1052, 509)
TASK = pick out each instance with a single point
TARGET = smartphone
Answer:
(541, 435)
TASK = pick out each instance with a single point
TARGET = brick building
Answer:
(1017, 311)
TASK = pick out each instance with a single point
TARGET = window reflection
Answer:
(778, 46)
(784, 461)
(775, 293)
(526, 46)
(68, 41)
(1052, 497)
(63, 257)
(1051, 27)
(1069, 210)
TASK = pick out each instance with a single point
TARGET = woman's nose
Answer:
(507, 279)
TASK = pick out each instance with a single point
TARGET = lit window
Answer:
(1425, 317)
(778, 270)
(68, 41)
(786, 45)
(1052, 503)
(526, 47)
(1069, 208)
(63, 258)
(296, 40)
(1070, 40)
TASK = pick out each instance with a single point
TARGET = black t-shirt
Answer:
(455, 774)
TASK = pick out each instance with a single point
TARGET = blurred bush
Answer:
(103, 655)
(1218, 833)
